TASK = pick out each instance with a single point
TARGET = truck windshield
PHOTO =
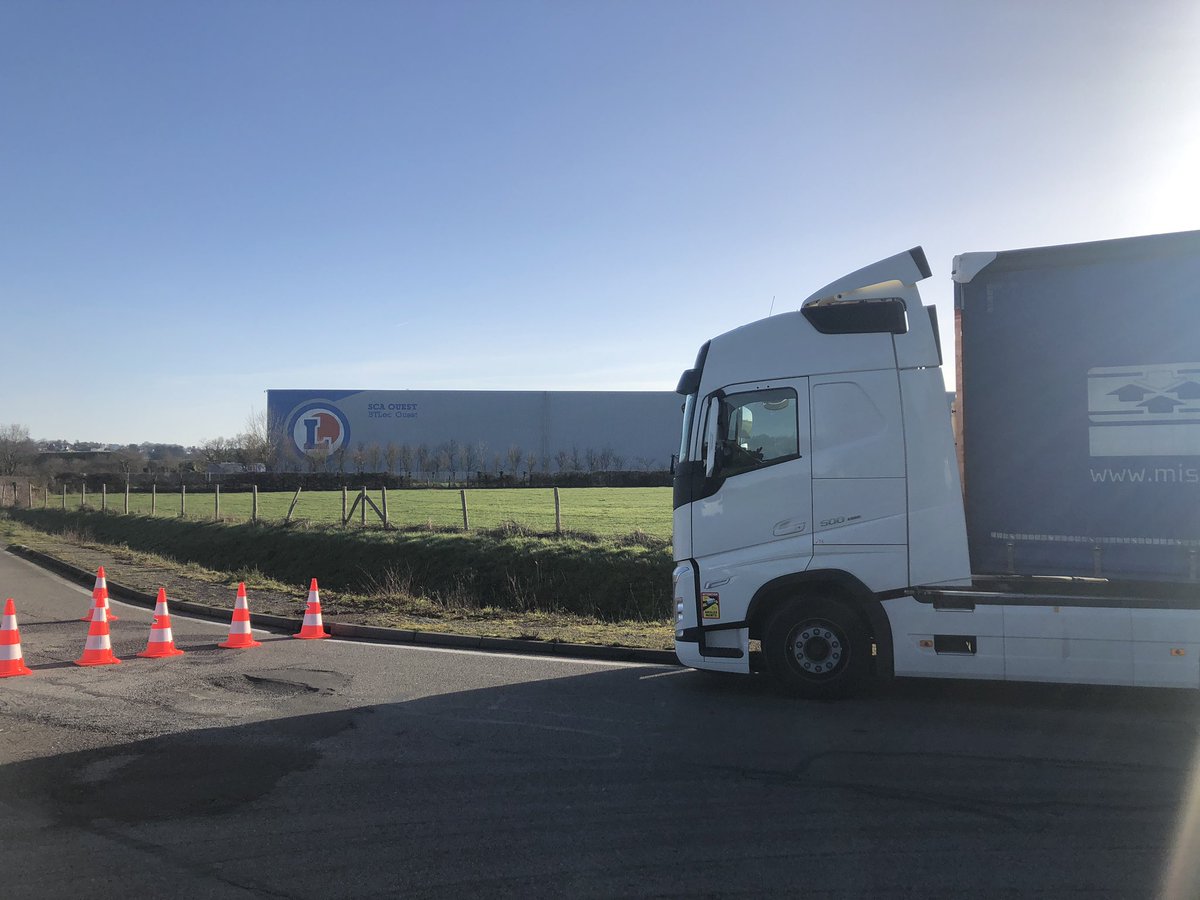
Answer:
(689, 412)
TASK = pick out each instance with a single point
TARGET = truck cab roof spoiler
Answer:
(908, 267)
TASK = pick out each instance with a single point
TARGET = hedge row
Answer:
(510, 571)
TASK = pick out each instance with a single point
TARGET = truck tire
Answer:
(817, 648)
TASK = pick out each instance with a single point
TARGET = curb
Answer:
(358, 632)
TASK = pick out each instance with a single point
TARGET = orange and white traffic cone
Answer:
(239, 627)
(98, 649)
(11, 660)
(101, 589)
(312, 629)
(162, 642)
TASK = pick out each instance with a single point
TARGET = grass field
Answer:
(601, 511)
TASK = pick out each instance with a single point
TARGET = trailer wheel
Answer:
(817, 648)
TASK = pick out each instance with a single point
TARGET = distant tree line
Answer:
(462, 461)
(259, 448)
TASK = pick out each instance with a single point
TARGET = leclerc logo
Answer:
(319, 428)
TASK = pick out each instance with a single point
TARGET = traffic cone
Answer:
(98, 649)
(162, 642)
(11, 660)
(313, 629)
(239, 627)
(101, 588)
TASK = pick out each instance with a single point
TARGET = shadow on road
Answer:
(632, 781)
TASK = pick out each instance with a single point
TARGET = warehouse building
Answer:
(480, 430)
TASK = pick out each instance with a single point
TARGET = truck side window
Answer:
(757, 429)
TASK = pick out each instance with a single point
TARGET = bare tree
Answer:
(590, 458)
(129, 459)
(514, 456)
(470, 456)
(443, 460)
(422, 458)
(391, 453)
(263, 440)
(531, 461)
(219, 449)
(404, 454)
(16, 449)
(374, 454)
(562, 459)
(360, 457)
(318, 458)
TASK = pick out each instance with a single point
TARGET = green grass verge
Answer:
(602, 511)
(386, 604)
(610, 580)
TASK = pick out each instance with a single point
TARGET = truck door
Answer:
(753, 520)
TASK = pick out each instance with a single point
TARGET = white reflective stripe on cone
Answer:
(242, 627)
(97, 642)
(163, 636)
(312, 618)
(10, 651)
(9, 623)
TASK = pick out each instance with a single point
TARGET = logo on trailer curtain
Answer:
(319, 428)
(1144, 410)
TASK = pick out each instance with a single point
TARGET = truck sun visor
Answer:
(884, 315)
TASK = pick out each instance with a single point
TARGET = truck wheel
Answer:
(817, 648)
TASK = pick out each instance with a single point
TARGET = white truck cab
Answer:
(817, 481)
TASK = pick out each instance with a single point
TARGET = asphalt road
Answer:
(333, 769)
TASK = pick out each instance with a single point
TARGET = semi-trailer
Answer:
(831, 526)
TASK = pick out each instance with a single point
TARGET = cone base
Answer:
(160, 654)
(19, 670)
(309, 637)
(230, 645)
(110, 618)
(111, 661)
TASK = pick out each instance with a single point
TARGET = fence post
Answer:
(217, 503)
(254, 503)
(363, 512)
(46, 497)
(295, 500)
(466, 521)
(83, 493)
(64, 495)
(557, 513)
(104, 496)
(153, 497)
(344, 517)
(30, 486)
(126, 496)
(182, 499)
(383, 498)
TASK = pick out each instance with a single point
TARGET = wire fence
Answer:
(601, 511)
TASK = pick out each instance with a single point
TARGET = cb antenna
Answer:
(772, 310)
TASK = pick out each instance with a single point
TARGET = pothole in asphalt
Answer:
(284, 682)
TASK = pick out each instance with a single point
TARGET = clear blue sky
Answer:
(204, 200)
